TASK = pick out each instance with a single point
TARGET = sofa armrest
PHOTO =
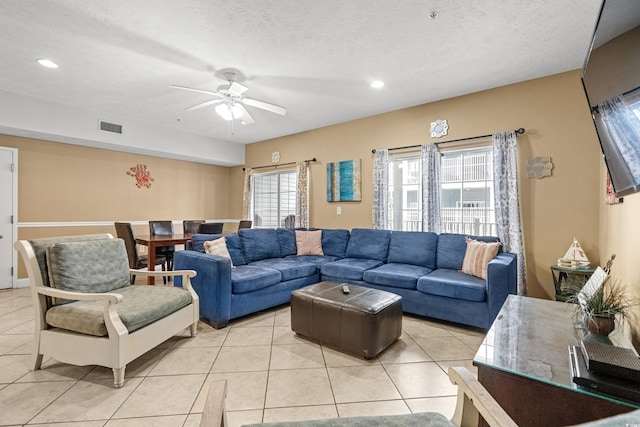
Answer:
(212, 284)
(502, 280)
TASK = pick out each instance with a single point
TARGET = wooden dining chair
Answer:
(190, 226)
(124, 231)
(245, 223)
(163, 228)
(211, 228)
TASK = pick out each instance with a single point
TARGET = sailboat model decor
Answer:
(574, 257)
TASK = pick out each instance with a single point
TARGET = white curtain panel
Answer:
(430, 157)
(507, 200)
(302, 194)
(246, 195)
(623, 125)
(380, 189)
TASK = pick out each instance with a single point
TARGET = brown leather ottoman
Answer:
(363, 322)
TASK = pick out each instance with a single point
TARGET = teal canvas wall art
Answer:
(343, 181)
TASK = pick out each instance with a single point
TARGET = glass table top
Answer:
(531, 337)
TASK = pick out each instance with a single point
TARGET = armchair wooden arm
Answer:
(473, 400)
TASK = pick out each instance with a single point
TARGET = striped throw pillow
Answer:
(478, 256)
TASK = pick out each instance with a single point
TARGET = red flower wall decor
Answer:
(142, 175)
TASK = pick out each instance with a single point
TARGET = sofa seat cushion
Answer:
(453, 284)
(317, 260)
(247, 278)
(289, 268)
(396, 275)
(142, 305)
(349, 268)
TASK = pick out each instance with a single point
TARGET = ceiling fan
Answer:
(231, 102)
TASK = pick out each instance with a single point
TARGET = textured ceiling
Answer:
(316, 58)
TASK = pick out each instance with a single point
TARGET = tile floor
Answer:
(272, 375)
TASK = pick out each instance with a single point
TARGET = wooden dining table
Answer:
(153, 241)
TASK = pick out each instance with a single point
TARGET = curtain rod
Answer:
(519, 131)
(280, 164)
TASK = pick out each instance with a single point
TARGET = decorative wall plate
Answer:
(275, 157)
(439, 128)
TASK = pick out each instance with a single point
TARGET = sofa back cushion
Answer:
(369, 244)
(287, 241)
(91, 266)
(413, 247)
(259, 243)
(233, 245)
(334, 242)
(452, 248)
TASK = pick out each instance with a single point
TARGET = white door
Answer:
(8, 209)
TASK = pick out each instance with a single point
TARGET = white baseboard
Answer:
(22, 283)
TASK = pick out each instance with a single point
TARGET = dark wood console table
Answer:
(524, 363)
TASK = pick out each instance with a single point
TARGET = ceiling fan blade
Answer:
(204, 104)
(265, 106)
(246, 118)
(208, 92)
(237, 89)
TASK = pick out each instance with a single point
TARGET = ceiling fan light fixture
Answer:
(377, 84)
(229, 112)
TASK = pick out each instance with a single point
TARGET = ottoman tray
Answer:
(363, 322)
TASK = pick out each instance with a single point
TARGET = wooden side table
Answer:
(565, 278)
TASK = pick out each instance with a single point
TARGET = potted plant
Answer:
(600, 307)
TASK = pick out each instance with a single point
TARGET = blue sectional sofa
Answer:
(422, 267)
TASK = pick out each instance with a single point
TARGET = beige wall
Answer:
(554, 112)
(67, 183)
(620, 235)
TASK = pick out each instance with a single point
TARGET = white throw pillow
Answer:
(478, 256)
(218, 247)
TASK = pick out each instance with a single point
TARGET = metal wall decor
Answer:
(142, 175)
(539, 167)
(439, 128)
(275, 157)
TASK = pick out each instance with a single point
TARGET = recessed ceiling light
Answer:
(377, 84)
(47, 63)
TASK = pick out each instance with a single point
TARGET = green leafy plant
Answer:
(609, 300)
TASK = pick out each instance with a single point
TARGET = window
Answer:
(274, 197)
(405, 194)
(466, 198)
(466, 193)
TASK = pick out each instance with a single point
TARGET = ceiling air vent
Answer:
(110, 127)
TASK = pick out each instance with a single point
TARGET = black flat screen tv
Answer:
(612, 70)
